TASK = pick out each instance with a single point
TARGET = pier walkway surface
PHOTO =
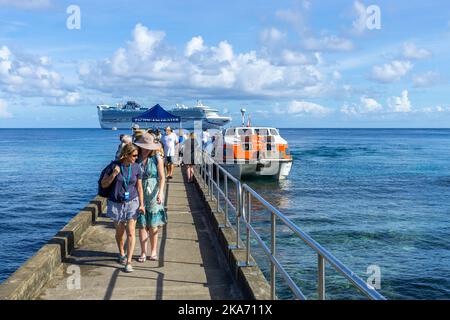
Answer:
(191, 265)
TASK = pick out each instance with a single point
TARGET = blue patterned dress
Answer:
(155, 215)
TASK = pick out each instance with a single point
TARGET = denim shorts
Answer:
(169, 160)
(122, 212)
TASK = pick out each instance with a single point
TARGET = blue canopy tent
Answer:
(157, 115)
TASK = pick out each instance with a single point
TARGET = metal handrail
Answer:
(242, 210)
(209, 182)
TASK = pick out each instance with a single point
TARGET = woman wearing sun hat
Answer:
(153, 180)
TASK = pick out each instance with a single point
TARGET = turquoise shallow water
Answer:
(371, 197)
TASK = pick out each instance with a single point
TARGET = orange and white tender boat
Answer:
(253, 151)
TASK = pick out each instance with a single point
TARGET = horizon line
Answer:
(309, 128)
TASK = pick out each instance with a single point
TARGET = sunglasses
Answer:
(134, 155)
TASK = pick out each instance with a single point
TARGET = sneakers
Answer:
(128, 268)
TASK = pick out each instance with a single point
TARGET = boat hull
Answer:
(270, 169)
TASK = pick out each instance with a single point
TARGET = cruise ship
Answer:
(119, 117)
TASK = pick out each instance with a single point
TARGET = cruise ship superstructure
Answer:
(120, 117)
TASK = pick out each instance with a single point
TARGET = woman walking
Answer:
(153, 180)
(190, 146)
(126, 200)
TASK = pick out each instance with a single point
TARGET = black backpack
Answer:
(105, 192)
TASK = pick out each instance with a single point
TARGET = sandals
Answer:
(142, 259)
(154, 258)
(122, 259)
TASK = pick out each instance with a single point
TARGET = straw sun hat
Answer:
(147, 141)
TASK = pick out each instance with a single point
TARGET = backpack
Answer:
(105, 192)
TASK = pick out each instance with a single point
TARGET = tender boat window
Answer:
(230, 132)
(262, 132)
(245, 132)
(274, 132)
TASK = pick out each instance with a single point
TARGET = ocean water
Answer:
(372, 197)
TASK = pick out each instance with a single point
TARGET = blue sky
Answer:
(289, 63)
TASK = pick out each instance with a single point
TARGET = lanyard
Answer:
(126, 182)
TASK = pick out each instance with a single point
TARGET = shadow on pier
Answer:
(191, 264)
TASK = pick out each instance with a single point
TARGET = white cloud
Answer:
(337, 75)
(328, 43)
(349, 109)
(297, 18)
(30, 76)
(294, 58)
(145, 41)
(5, 53)
(437, 109)
(26, 4)
(304, 107)
(293, 17)
(44, 60)
(391, 72)
(400, 104)
(4, 113)
(68, 99)
(203, 71)
(367, 106)
(193, 46)
(272, 36)
(411, 51)
(427, 79)
(224, 52)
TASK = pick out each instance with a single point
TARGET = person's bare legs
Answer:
(188, 172)
(131, 234)
(191, 172)
(153, 241)
(143, 238)
(120, 236)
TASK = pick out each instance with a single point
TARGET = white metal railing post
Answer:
(321, 277)
(238, 213)
(205, 172)
(226, 199)
(210, 181)
(218, 187)
(204, 169)
(249, 208)
(273, 251)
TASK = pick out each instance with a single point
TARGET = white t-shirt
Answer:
(205, 136)
(169, 144)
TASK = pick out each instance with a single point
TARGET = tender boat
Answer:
(252, 151)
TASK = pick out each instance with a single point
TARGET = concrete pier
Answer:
(80, 262)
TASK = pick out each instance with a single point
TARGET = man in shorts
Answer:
(170, 140)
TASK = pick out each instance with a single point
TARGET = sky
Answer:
(305, 64)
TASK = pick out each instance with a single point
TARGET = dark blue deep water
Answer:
(370, 196)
